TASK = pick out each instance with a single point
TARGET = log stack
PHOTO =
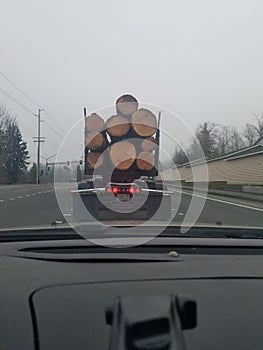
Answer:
(129, 137)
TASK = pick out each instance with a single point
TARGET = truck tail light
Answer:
(138, 190)
(115, 190)
(109, 190)
(131, 190)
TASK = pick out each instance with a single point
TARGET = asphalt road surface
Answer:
(30, 205)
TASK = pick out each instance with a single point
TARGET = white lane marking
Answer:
(33, 194)
(221, 201)
(1, 200)
(19, 197)
(67, 214)
(11, 199)
(39, 192)
(27, 195)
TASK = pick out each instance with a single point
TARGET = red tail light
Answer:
(109, 190)
(138, 190)
(131, 190)
(115, 190)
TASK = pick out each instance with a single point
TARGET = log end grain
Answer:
(126, 105)
(144, 122)
(117, 125)
(145, 161)
(94, 123)
(122, 155)
(149, 144)
(95, 159)
(95, 141)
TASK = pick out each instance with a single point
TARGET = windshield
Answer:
(138, 114)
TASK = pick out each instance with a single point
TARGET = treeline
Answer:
(213, 140)
(13, 150)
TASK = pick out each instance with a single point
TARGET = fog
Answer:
(200, 60)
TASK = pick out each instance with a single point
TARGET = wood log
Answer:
(145, 161)
(144, 122)
(95, 159)
(126, 105)
(149, 144)
(94, 123)
(122, 155)
(95, 141)
(117, 125)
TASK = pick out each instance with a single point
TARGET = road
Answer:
(30, 205)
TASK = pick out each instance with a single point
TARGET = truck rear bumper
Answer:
(87, 207)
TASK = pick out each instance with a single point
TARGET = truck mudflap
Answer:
(87, 206)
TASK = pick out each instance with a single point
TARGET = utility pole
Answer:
(38, 140)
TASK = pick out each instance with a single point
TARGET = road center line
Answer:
(221, 201)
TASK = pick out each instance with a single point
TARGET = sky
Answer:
(200, 60)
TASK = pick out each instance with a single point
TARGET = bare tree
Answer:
(252, 132)
(228, 139)
(237, 141)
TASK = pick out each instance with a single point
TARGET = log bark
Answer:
(144, 122)
(94, 123)
(117, 126)
(126, 105)
(95, 159)
(149, 144)
(95, 141)
(122, 155)
(145, 161)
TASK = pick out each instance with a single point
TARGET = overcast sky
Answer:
(202, 60)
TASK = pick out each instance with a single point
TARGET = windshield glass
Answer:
(143, 114)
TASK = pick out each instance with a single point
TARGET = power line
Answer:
(50, 127)
(5, 93)
(32, 100)
(58, 126)
(20, 90)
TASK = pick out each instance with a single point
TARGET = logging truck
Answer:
(119, 179)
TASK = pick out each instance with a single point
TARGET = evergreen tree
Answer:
(13, 150)
(33, 173)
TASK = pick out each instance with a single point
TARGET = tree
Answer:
(13, 150)
(180, 157)
(211, 141)
(33, 173)
(227, 139)
(204, 143)
(253, 132)
(237, 141)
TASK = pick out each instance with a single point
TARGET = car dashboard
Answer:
(55, 293)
